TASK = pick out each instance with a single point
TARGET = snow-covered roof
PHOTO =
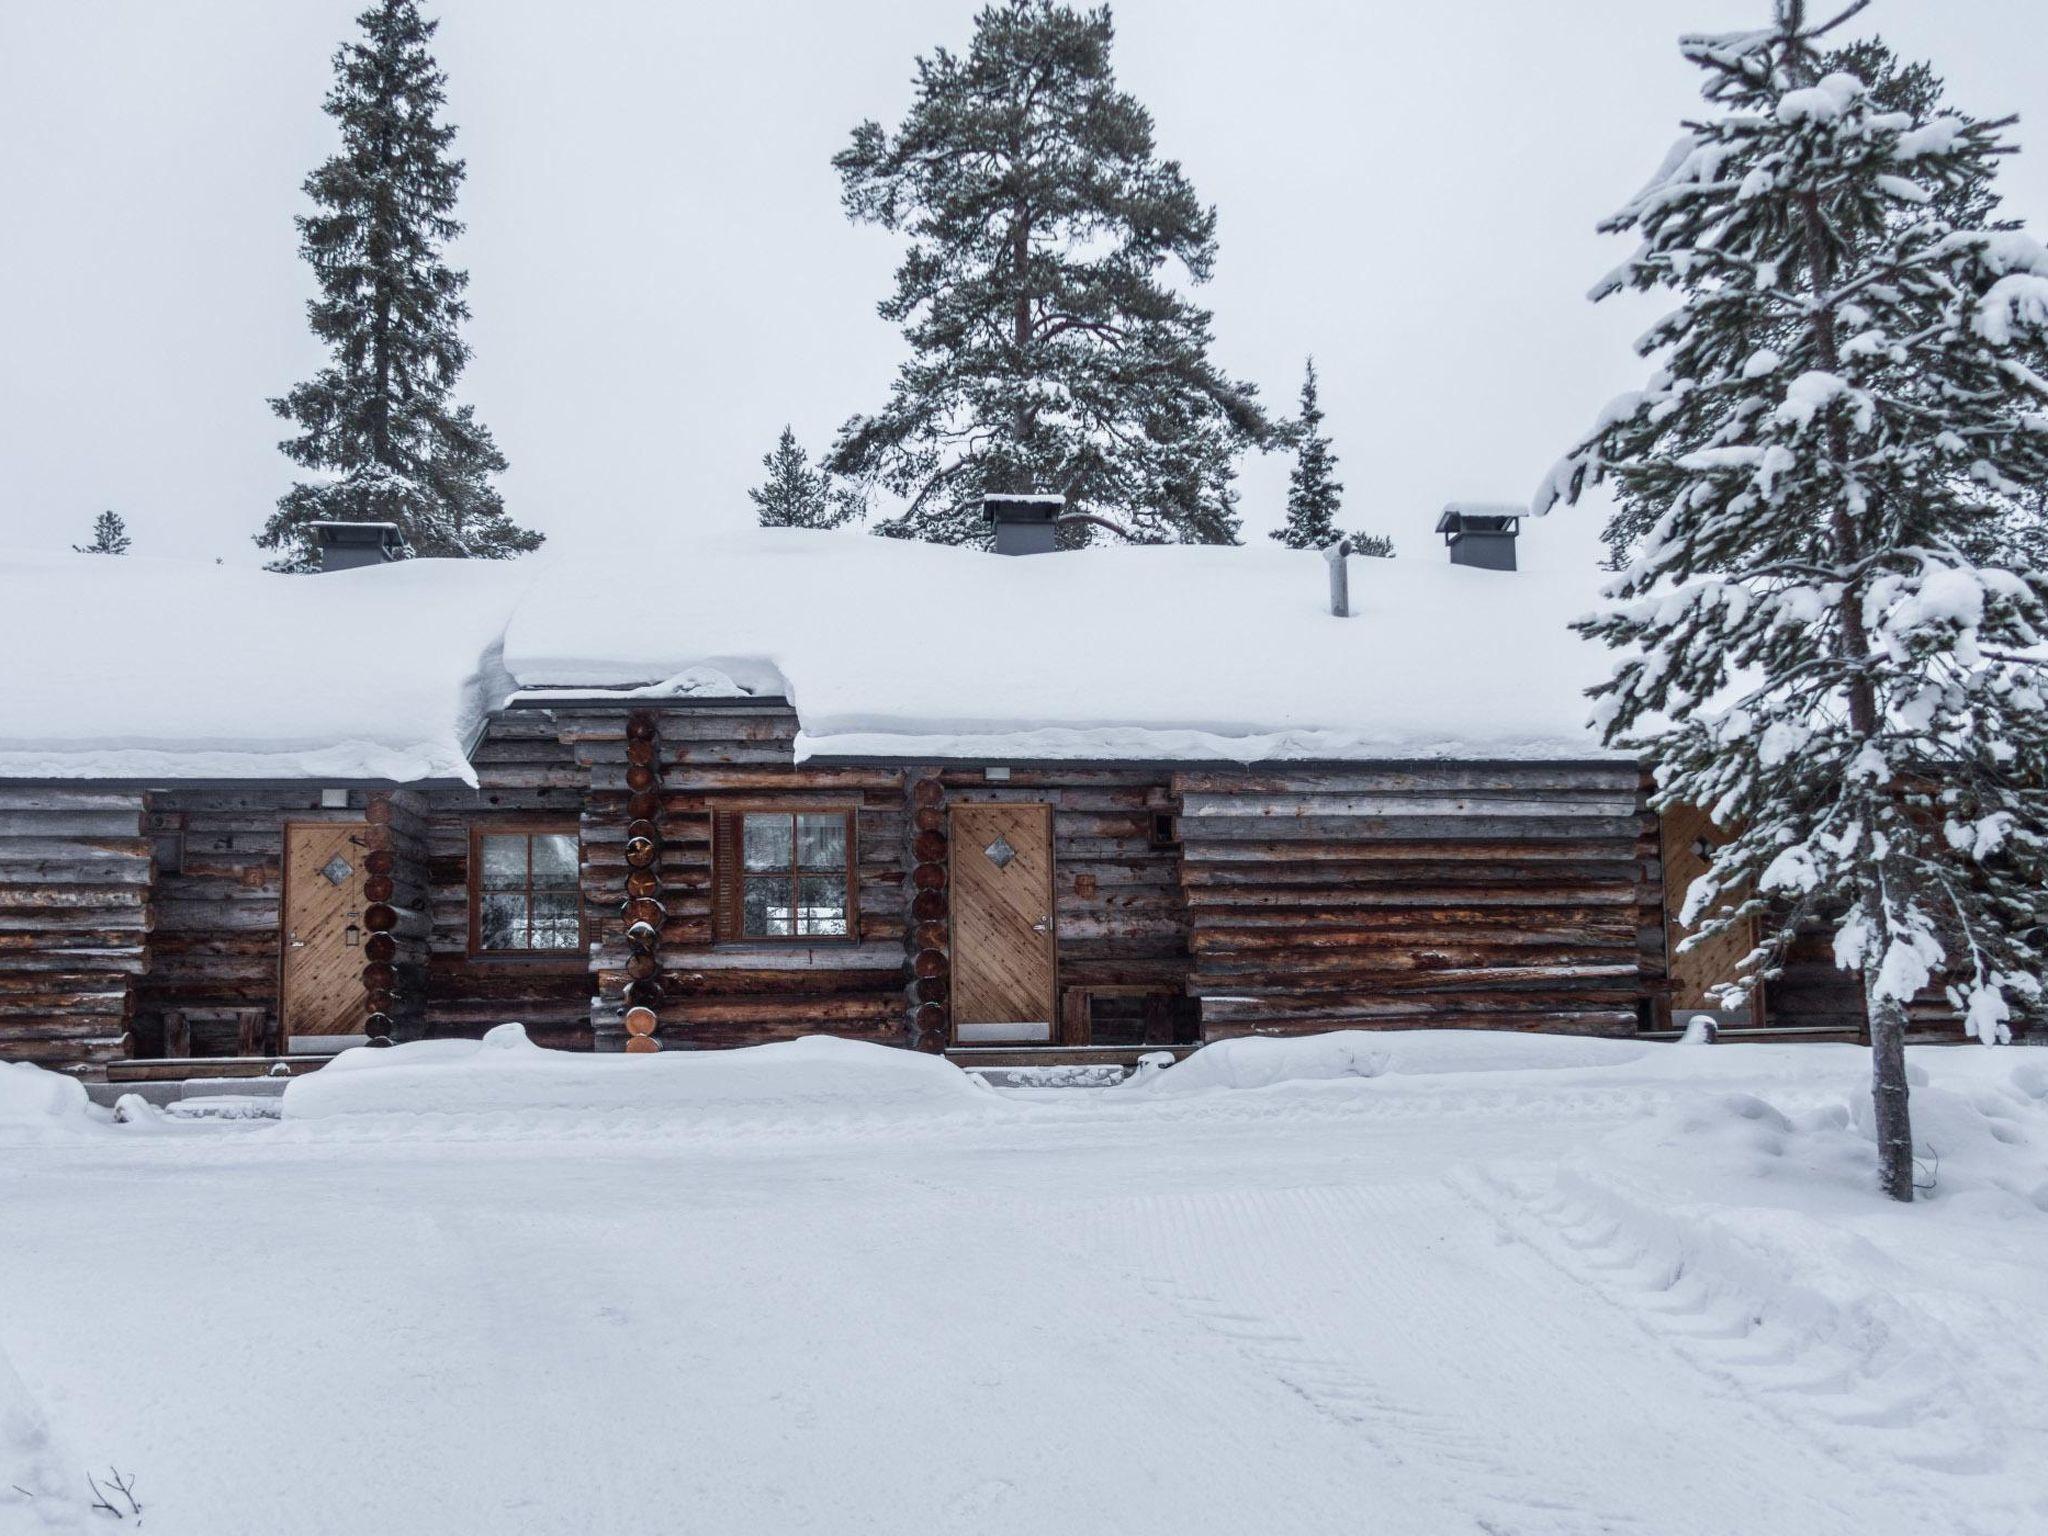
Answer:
(122, 667)
(141, 669)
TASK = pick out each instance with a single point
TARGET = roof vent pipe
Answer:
(347, 546)
(1024, 525)
(1339, 556)
(1483, 537)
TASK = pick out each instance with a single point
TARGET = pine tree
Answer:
(1048, 354)
(797, 496)
(1314, 493)
(378, 423)
(109, 536)
(1827, 637)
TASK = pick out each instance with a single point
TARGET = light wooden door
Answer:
(1686, 831)
(321, 988)
(1004, 980)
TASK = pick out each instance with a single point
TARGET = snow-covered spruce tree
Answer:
(1047, 352)
(797, 496)
(1968, 202)
(1821, 644)
(378, 423)
(109, 536)
(1314, 493)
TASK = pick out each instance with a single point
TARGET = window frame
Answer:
(729, 874)
(529, 828)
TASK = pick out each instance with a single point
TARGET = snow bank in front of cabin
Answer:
(1980, 1133)
(1266, 1061)
(126, 667)
(1175, 652)
(36, 1104)
(507, 1072)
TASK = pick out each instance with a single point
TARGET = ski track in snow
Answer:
(1386, 1309)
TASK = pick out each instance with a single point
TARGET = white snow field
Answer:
(1390, 1284)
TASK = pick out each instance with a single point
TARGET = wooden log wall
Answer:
(397, 919)
(219, 896)
(643, 910)
(525, 772)
(1504, 896)
(1121, 915)
(711, 994)
(930, 939)
(75, 920)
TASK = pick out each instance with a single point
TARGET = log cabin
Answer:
(737, 788)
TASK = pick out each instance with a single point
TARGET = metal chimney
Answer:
(1024, 525)
(1481, 536)
(345, 546)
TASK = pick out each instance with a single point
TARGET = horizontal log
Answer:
(123, 823)
(1430, 777)
(1396, 806)
(38, 799)
(74, 850)
(1349, 831)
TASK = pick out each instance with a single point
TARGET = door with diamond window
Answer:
(321, 985)
(1004, 955)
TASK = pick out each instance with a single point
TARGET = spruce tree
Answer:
(1314, 493)
(1828, 639)
(379, 424)
(1911, 87)
(109, 536)
(797, 496)
(1048, 354)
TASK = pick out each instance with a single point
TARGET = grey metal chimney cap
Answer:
(346, 546)
(1480, 535)
(1033, 508)
(1024, 524)
(1479, 517)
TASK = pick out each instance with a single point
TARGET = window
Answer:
(525, 891)
(785, 875)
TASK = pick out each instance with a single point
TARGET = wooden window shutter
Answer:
(725, 875)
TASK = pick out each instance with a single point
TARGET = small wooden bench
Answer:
(219, 1032)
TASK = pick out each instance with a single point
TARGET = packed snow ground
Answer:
(1399, 1284)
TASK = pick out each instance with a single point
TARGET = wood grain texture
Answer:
(1713, 962)
(321, 985)
(1005, 949)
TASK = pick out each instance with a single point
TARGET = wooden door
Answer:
(1004, 981)
(1687, 831)
(321, 987)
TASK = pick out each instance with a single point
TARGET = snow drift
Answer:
(35, 1103)
(1265, 1061)
(505, 1071)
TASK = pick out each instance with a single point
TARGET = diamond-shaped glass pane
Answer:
(337, 870)
(1000, 852)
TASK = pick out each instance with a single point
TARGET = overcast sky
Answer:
(661, 274)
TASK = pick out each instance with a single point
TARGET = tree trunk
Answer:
(1887, 1018)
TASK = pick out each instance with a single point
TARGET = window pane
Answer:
(822, 908)
(821, 842)
(554, 861)
(501, 922)
(767, 840)
(767, 906)
(555, 922)
(504, 862)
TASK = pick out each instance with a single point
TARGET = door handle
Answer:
(1043, 925)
